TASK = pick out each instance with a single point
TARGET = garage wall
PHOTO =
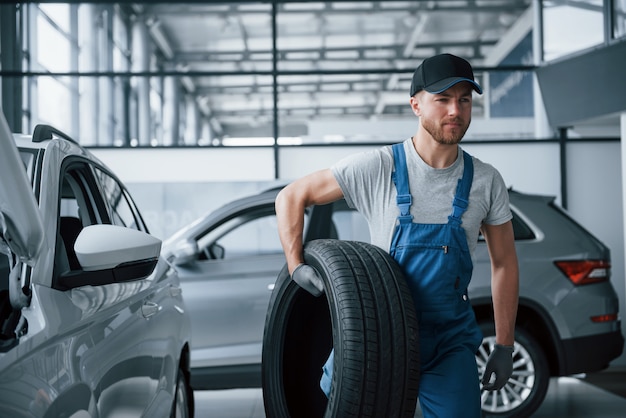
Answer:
(174, 186)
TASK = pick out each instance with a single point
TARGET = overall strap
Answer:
(461, 198)
(401, 180)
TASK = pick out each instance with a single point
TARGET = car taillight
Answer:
(585, 271)
(604, 318)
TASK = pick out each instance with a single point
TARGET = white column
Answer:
(141, 63)
(87, 106)
(542, 126)
(192, 133)
(206, 132)
(105, 84)
(171, 109)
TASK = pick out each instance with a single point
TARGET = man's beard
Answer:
(451, 138)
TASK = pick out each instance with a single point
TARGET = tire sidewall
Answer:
(342, 318)
(183, 396)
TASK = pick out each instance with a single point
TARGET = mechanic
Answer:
(426, 200)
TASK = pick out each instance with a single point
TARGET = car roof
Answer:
(266, 197)
(46, 137)
(519, 197)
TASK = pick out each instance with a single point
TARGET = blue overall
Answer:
(438, 267)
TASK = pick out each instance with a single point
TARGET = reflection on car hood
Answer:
(21, 228)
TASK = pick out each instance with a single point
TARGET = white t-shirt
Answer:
(366, 181)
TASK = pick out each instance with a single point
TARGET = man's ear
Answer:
(415, 106)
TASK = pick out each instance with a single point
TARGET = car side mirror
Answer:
(216, 251)
(183, 253)
(111, 254)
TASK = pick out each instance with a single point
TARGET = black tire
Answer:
(183, 406)
(527, 387)
(366, 313)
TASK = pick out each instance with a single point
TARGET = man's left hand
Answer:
(500, 363)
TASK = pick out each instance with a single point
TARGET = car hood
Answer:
(21, 227)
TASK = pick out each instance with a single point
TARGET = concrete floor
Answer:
(567, 397)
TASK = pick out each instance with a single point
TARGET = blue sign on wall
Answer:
(511, 92)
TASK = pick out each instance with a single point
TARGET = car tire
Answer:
(183, 397)
(527, 387)
(366, 313)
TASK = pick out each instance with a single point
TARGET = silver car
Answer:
(568, 320)
(92, 320)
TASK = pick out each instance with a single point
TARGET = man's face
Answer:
(446, 115)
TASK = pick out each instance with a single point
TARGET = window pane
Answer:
(59, 13)
(569, 27)
(54, 103)
(121, 51)
(346, 63)
(511, 93)
(256, 237)
(119, 208)
(53, 48)
(351, 225)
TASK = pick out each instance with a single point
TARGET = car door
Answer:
(128, 345)
(228, 287)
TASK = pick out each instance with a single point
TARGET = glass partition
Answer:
(571, 26)
(256, 73)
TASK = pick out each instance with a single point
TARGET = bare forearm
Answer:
(505, 291)
(290, 219)
(504, 279)
(314, 189)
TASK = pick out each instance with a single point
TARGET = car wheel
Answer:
(183, 397)
(527, 387)
(366, 313)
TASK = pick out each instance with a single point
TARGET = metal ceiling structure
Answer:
(327, 59)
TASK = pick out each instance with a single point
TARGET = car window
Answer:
(520, 229)
(118, 202)
(76, 195)
(247, 236)
(249, 232)
(77, 208)
(350, 225)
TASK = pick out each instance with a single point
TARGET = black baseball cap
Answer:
(440, 72)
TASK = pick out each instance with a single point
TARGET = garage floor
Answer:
(596, 395)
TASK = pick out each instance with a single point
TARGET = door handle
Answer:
(149, 308)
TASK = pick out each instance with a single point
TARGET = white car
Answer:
(92, 320)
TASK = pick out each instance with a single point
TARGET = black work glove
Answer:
(307, 278)
(500, 363)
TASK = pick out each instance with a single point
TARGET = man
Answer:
(426, 201)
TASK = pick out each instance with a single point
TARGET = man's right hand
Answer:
(307, 278)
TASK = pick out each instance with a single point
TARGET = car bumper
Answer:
(591, 353)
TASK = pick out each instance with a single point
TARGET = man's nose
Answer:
(454, 107)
